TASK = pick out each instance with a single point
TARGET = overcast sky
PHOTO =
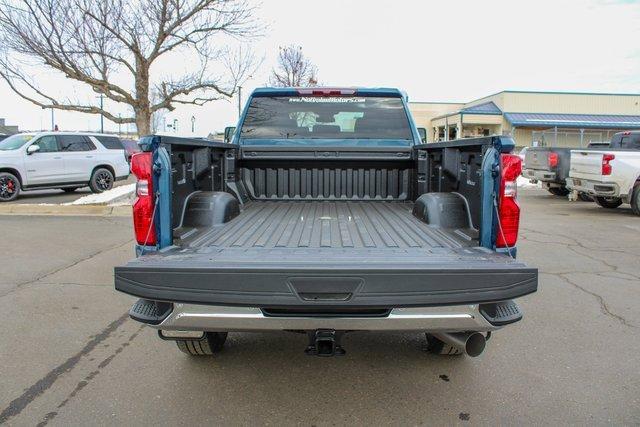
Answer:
(436, 51)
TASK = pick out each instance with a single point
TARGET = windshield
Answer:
(368, 121)
(15, 141)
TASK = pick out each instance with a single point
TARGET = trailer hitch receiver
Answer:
(324, 343)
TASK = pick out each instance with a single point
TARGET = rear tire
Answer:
(585, 197)
(9, 187)
(635, 199)
(559, 191)
(212, 343)
(101, 180)
(608, 202)
(435, 346)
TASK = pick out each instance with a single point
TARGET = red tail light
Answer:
(142, 168)
(508, 208)
(606, 167)
(553, 160)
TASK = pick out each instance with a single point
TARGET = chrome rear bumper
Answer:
(594, 188)
(191, 317)
(540, 175)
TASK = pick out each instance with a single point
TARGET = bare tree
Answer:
(293, 69)
(111, 46)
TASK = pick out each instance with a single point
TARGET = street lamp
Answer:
(193, 124)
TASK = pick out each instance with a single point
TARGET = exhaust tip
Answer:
(470, 343)
(476, 342)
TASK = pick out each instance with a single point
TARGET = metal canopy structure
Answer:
(578, 121)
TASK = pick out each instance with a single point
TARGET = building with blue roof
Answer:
(566, 119)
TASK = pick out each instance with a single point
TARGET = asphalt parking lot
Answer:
(71, 356)
(57, 196)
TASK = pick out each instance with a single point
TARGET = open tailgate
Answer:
(282, 277)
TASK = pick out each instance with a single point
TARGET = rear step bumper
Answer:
(594, 188)
(191, 317)
(540, 175)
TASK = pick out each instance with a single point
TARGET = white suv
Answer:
(62, 160)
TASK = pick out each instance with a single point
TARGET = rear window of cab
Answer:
(354, 120)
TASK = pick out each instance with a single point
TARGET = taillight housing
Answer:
(143, 205)
(508, 207)
(553, 160)
(606, 167)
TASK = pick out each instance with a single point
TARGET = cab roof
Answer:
(327, 91)
(64, 132)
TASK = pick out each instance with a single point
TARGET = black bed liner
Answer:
(328, 253)
(325, 224)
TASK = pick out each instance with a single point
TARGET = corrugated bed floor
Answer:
(329, 224)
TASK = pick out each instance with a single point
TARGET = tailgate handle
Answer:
(324, 296)
(325, 288)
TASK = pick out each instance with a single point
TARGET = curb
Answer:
(65, 210)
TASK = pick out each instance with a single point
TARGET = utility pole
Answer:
(193, 124)
(101, 115)
(119, 124)
(53, 121)
(239, 100)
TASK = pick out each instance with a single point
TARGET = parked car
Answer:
(131, 147)
(326, 214)
(64, 160)
(611, 175)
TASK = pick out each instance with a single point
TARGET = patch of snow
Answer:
(121, 195)
(523, 182)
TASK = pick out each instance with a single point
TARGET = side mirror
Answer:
(228, 133)
(423, 135)
(32, 149)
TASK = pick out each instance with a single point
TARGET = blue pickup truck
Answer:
(325, 213)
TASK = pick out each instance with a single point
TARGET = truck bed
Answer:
(328, 253)
(329, 224)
